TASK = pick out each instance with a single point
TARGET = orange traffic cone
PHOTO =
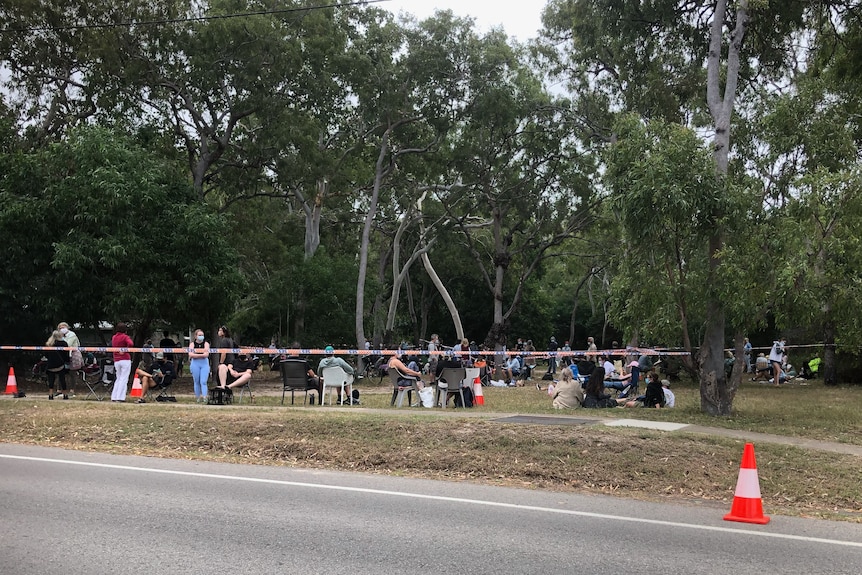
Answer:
(478, 396)
(11, 383)
(747, 505)
(137, 388)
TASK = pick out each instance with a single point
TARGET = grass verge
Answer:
(642, 464)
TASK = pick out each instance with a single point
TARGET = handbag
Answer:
(76, 360)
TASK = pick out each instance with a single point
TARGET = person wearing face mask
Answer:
(199, 364)
(76, 359)
(238, 371)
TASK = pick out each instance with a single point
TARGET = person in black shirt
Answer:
(57, 365)
(239, 371)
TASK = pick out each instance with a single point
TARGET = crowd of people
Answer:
(582, 379)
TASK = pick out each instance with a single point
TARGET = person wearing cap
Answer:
(160, 372)
(331, 360)
(669, 397)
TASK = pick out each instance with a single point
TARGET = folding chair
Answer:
(99, 378)
(163, 387)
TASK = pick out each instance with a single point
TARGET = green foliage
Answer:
(666, 194)
(99, 229)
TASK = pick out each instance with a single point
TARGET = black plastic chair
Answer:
(294, 377)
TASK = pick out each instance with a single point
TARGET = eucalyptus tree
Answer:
(523, 186)
(686, 63)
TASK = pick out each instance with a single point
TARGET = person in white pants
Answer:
(122, 362)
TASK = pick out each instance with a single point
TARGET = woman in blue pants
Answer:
(199, 364)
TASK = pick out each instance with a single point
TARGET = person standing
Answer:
(592, 351)
(567, 359)
(433, 358)
(58, 359)
(553, 346)
(199, 364)
(746, 350)
(775, 355)
(76, 358)
(122, 362)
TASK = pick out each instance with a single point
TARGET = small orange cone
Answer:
(137, 388)
(478, 396)
(11, 383)
(747, 505)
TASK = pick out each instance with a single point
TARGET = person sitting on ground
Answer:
(160, 373)
(512, 370)
(594, 392)
(331, 360)
(761, 368)
(568, 393)
(238, 371)
(654, 396)
(669, 397)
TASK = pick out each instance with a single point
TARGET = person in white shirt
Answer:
(775, 355)
(610, 371)
(669, 397)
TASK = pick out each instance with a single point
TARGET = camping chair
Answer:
(163, 384)
(401, 384)
(333, 377)
(294, 377)
(450, 382)
(100, 381)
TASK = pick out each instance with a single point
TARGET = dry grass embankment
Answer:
(636, 463)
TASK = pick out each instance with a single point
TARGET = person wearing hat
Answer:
(331, 360)
(669, 397)
(160, 372)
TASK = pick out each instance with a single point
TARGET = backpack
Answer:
(468, 398)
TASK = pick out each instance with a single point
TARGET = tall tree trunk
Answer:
(715, 396)
(379, 174)
(444, 293)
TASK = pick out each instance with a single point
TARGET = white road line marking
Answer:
(440, 498)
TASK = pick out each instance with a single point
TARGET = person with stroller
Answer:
(56, 366)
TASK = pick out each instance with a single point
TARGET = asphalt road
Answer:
(69, 512)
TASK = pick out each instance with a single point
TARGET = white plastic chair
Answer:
(333, 377)
(470, 378)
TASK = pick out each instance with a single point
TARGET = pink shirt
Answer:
(121, 340)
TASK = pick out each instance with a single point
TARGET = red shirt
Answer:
(121, 340)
